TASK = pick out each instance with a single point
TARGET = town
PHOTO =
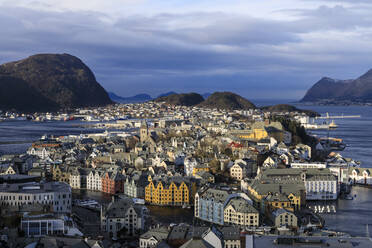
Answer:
(240, 178)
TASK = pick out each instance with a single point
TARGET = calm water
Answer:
(352, 216)
(356, 133)
(17, 136)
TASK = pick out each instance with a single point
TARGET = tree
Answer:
(214, 166)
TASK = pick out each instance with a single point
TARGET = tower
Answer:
(144, 131)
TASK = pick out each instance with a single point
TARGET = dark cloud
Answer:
(193, 52)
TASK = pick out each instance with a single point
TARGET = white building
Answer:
(189, 164)
(94, 180)
(40, 152)
(47, 224)
(57, 195)
(75, 179)
(153, 237)
(123, 214)
(361, 176)
(308, 165)
(321, 187)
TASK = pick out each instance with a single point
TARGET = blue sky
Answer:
(259, 49)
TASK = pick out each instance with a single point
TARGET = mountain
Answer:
(167, 94)
(48, 82)
(133, 99)
(357, 90)
(227, 100)
(188, 99)
(288, 108)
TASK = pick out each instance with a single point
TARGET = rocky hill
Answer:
(358, 90)
(228, 101)
(48, 82)
(188, 99)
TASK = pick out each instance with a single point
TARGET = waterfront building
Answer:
(210, 204)
(239, 212)
(281, 217)
(134, 186)
(361, 175)
(94, 180)
(123, 215)
(266, 193)
(54, 195)
(112, 182)
(320, 184)
(75, 178)
(165, 191)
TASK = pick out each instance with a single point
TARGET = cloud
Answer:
(196, 50)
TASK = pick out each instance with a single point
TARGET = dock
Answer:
(338, 116)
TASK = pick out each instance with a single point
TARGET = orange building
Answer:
(112, 183)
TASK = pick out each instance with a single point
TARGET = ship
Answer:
(333, 125)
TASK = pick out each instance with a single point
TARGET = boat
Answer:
(332, 125)
(348, 197)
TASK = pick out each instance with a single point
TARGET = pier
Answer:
(338, 116)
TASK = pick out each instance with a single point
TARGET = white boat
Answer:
(333, 125)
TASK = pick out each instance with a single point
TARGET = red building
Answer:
(112, 183)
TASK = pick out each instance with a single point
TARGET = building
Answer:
(41, 152)
(239, 211)
(153, 237)
(242, 168)
(134, 186)
(308, 165)
(210, 204)
(123, 215)
(54, 195)
(6, 169)
(266, 193)
(75, 178)
(200, 168)
(168, 191)
(189, 164)
(361, 175)
(320, 184)
(282, 217)
(112, 182)
(61, 173)
(94, 180)
(48, 224)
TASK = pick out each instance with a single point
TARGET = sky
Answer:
(259, 49)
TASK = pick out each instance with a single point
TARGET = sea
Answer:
(352, 216)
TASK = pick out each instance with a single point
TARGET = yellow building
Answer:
(269, 194)
(167, 192)
(255, 134)
(199, 168)
(261, 130)
(239, 212)
(61, 174)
